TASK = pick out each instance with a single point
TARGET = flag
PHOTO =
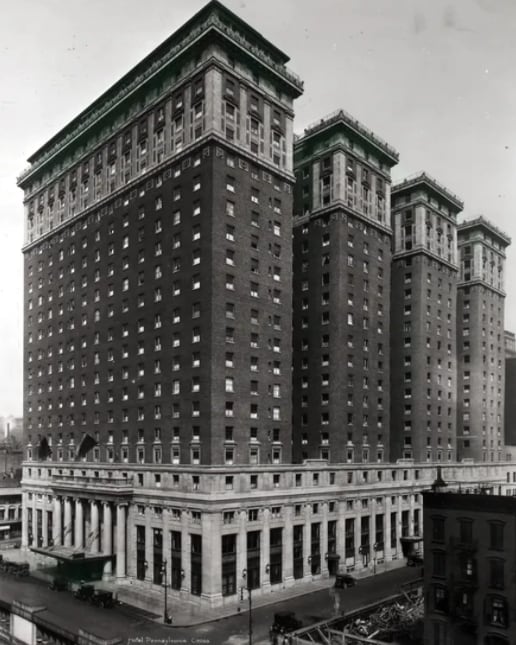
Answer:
(44, 450)
(87, 443)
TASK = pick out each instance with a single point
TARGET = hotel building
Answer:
(423, 320)
(480, 341)
(342, 259)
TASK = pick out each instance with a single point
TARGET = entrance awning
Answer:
(333, 556)
(69, 554)
(5, 528)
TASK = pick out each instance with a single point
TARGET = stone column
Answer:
(149, 545)
(34, 541)
(94, 526)
(120, 541)
(324, 539)
(44, 526)
(25, 521)
(79, 524)
(387, 551)
(307, 542)
(185, 553)
(358, 536)
(241, 548)
(411, 514)
(57, 529)
(68, 528)
(211, 556)
(107, 537)
(265, 548)
(288, 547)
(341, 533)
(167, 545)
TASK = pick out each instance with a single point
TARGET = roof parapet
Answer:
(349, 120)
(424, 177)
(481, 221)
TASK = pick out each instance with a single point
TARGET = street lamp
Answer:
(166, 618)
(364, 552)
(248, 587)
(377, 546)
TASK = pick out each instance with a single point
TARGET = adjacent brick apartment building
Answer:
(342, 258)
(423, 309)
(470, 589)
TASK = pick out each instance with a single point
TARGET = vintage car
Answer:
(103, 599)
(343, 580)
(84, 592)
(58, 584)
(285, 622)
(415, 560)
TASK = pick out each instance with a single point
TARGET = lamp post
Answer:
(248, 587)
(377, 546)
(166, 618)
(364, 552)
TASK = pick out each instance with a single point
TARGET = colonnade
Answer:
(80, 524)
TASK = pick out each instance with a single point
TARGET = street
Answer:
(129, 623)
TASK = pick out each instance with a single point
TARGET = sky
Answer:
(434, 78)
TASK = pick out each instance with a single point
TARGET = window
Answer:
(440, 598)
(438, 529)
(496, 611)
(496, 573)
(230, 208)
(496, 541)
(466, 531)
(439, 563)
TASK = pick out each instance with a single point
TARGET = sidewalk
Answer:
(149, 603)
(186, 613)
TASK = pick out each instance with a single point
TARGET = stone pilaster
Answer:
(107, 537)
(94, 526)
(120, 541)
(211, 556)
(68, 528)
(79, 524)
(57, 529)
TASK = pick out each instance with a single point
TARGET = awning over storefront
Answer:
(68, 554)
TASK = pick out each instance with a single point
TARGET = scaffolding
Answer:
(393, 620)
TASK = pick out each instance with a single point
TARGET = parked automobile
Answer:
(84, 592)
(18, 569)
(343, 580)
(415, 560)
(58, 584)
(103, 599)
(285, 622)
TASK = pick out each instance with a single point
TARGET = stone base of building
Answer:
(213, 541)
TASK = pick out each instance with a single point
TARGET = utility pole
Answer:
(166, 618)
(248, 588)
(250, 616)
